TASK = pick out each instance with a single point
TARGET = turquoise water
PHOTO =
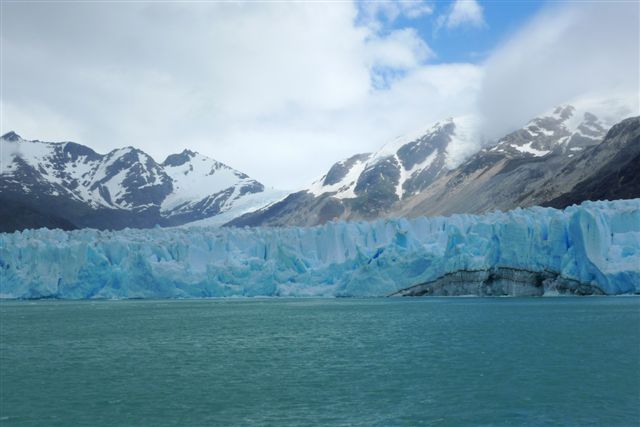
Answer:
(344, 362)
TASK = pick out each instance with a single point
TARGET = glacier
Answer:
(593, 248)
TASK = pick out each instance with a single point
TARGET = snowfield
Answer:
(592, 248)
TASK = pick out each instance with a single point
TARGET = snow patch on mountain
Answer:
(240, 206)
(526, 148)
(343, 188)
(558, 130)
(411, 161)
(188, 184)
(406, 174)
(197, 178)
(46, 157)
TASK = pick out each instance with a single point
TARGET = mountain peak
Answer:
(11, 136)
(564, 112)
(180, 158)
(558, 130)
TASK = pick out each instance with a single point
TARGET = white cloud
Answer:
(39, 120)
(400, 49)
(269, 88)
(416, 9)
(572, 50)
(304, 145)
(375, 14)
(462, 13)
(281, 91)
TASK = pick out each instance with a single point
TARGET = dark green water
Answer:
(284, 362)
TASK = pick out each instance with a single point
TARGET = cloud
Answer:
(568, 51)
(375, 14)
(462, 13)
(303, 145)
(400, 49)
(282, 90)
(269, 88)
(39, 120)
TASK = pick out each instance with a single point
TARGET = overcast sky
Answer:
(282, 90)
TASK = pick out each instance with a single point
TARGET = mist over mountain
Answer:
(416, 176)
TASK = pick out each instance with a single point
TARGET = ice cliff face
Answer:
(592, 248)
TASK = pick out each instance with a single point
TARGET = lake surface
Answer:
(330, 362)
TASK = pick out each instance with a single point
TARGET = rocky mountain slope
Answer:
(511, 173)
(369, 185)
(69, 185)
(416, 175)
(614, 169)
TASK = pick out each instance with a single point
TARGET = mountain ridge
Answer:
(415, 176)
(73, 182)
(555, 159)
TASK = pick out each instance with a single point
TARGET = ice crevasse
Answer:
(591, 248)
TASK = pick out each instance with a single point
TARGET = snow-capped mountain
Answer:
(406, 165)
(554, 159)
(562, 131)
(608, 171)
(123, 188)
(422, 174)
(203, 185)
(366, 186)
(509, 173)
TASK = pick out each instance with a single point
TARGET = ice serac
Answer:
(588, 249)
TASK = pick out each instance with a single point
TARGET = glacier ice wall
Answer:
(596, 244)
